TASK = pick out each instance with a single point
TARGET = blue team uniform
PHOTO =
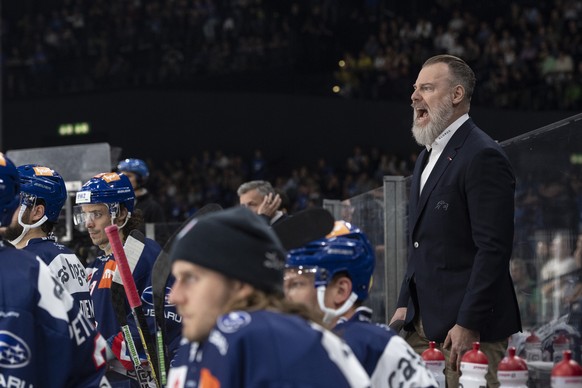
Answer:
(45, 340)
(66, 267)
(266, 349)
(100, 275)
(388, 359)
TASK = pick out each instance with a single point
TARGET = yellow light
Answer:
(336, 89)
(342, 63)
(81, 128)
(65, 129)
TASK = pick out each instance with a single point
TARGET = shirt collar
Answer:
(441, 141)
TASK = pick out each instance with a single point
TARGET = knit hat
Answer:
(237, 243)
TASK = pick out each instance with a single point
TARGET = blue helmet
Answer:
(9, 190)
(351, 253)
(110, 188)
(136, 166)
(42, 182)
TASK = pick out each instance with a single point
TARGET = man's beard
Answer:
(439, 120)
(12, 232)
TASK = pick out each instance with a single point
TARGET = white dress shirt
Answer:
(437, 147)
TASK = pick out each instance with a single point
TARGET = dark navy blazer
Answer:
(460, 237)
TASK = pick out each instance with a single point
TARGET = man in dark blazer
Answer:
(260, 197)
(457, 288)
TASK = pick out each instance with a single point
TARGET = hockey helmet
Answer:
(351, 253)
(110, 188)
(136, 166)
(45, 183)
(9, 190)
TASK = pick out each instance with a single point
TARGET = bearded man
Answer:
(457, 289)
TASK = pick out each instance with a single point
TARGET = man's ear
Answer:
(242, 290)
(458, 94)
(342, 289)
(37, 212)
(120, 219)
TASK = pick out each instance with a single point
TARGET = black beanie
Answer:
(237, 243)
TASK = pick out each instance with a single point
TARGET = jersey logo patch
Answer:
(14, 352)
(148, 296)
(233, 321)
(108, 271)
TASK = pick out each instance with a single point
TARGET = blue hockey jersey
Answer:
(266, 349)
(100, 275)
(45, 340)
(387, 357)
(66, 267)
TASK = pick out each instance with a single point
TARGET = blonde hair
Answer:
(259, 300)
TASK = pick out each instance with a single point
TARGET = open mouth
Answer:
(421, 113)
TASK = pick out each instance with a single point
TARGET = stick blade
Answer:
(304, 226)
(161, 272)
(162, 266)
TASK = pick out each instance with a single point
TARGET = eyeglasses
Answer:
(84, 217)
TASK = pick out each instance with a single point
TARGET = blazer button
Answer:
(416, 244)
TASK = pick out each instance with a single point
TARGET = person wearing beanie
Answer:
(240, 331)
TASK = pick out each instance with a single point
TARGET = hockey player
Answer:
(42, 196)
(229, 267)
(333, 276)
(107, 199)
(152, 212)
(45, 340)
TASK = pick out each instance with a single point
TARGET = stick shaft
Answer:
(133, 298)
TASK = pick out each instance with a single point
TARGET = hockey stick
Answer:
(160, 274)
(132, 296)
(118, 299)
(133, 248)
(304, 226)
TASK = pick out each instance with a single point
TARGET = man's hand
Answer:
(270, 205)
(458, 341)
(399, 315)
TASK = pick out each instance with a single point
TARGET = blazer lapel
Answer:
(415, 185)
(447, 156)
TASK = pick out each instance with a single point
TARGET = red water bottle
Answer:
(567, 373)
(533, 348)
(560, 344)
(474, 366)
(512, 371)
(435, 362)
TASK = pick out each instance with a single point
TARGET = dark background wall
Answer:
(290, 129)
